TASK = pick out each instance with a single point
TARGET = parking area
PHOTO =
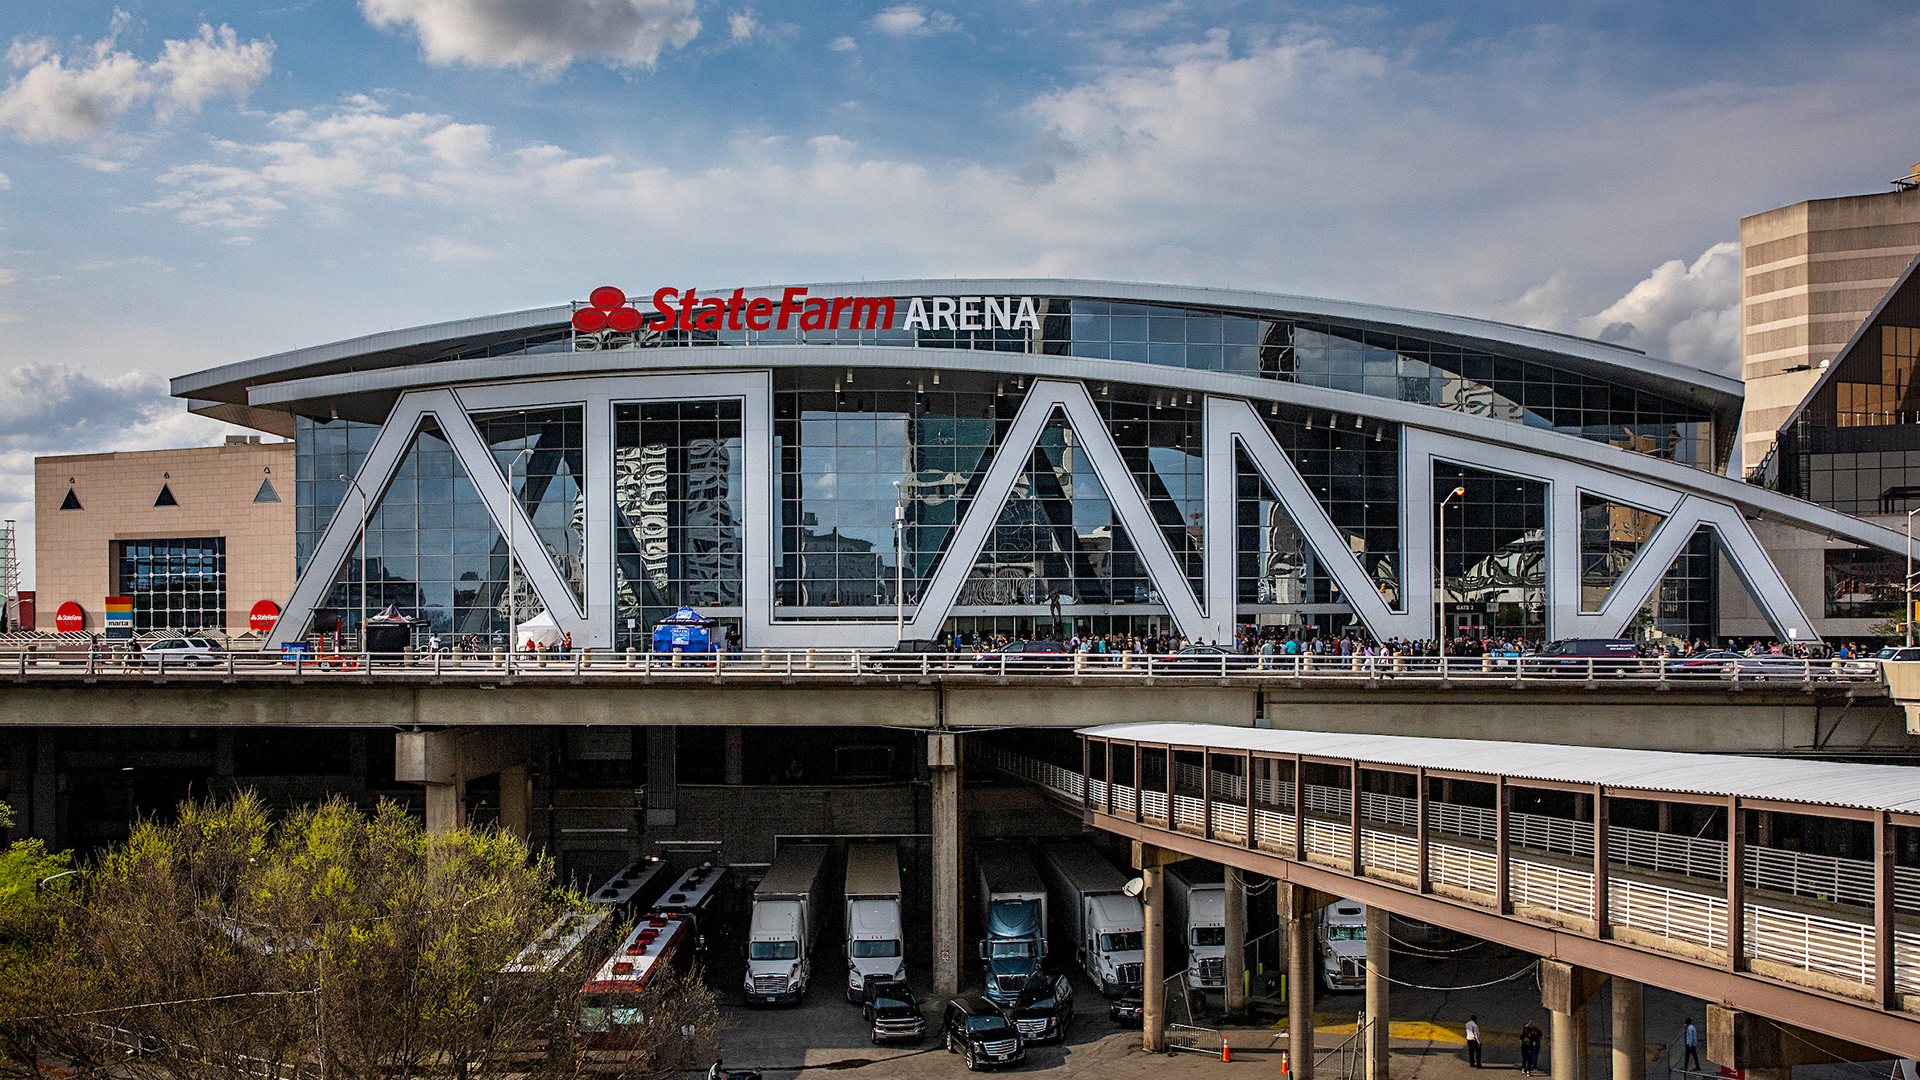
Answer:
(825, 1035)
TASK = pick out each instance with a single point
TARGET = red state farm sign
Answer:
(263, 616)
(69, 618)
(609, 309)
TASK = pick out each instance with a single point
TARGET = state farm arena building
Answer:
(1149, 458)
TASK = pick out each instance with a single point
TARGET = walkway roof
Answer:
(1869, 787)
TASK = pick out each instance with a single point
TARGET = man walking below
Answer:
(1692, 1039)
(1530, 1048)
(1473, 1041)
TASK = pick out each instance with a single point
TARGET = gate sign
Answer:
(119, 611)
(69, 618)
(263, 616)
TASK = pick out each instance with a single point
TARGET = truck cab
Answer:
(784, 928)
(1115, 947)
(1016, 920)
(1343, 945)
(873, 944)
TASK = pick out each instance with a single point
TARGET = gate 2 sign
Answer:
(263, 616)
(69, 618)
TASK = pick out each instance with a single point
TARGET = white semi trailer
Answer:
(1197, 908)
(876, 948)
(1105, 925)
(785, 928)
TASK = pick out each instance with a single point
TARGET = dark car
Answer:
(979, 1029)
(1129, 1009)
(1576, 656)
(894, 1011)
(1029, 656)
(1044, 1010)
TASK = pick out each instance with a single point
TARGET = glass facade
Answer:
(1495, 563)
(540, 451)
(679, 513)
(174, 584)
(1611, 534)
(1684, 607)
(1862, 583)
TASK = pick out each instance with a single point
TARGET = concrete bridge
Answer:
(1805, 952)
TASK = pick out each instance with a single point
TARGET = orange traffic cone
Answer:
(1226, 1052)
(1283, 1063)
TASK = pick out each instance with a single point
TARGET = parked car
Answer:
(1128, 1010)
(1607, 656)
(977, 1028)
(894, 1012)
(1044, 1010)
(1202, 658)
(1029, 656)
(1870, 665)
(1726, 665)
(180, 651)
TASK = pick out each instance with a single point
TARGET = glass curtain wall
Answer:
(680, 514)
(1684, 607)
(540, 451)
(1495, 564)
(324, 451)
(1352, 466)
(1278, 568)
(1611, 534)
(176, 584)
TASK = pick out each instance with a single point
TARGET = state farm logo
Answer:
(607, 310)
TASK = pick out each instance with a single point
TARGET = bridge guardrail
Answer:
(796, 664)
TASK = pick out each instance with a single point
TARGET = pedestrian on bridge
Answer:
(1692, 1038)
(1473, 1041)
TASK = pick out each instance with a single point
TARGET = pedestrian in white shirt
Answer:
(1473, 1041)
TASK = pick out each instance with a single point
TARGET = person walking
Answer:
(1692, 1039)
(1530, 1048)
(1473, 1041)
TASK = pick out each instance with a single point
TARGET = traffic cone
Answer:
(1226, 1052)
(1283, 1063)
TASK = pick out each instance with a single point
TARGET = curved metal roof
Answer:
(442, 340)
(1830, 783)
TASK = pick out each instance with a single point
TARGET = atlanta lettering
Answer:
(674, 309)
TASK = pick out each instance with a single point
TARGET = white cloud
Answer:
(447, 249)
(1688, 313)
(8, 277)
(912, 20)
(53, 102)
(742, 25)
(843, 43)
(544, 35)
(6, 184)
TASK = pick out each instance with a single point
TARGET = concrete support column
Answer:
(1567, 1044)
(1297, 909)
(1236, 966)
(444, 760)
(1768, 1049)
(1153, 990)
(446, 807)
(663, 775)
(1564, 990)
(1629, 1030)
(944, 766)
(1379, 1012)
(516, 799)
(45, 823)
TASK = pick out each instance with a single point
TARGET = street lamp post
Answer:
(362, 631)
(1440, 626)
(899, 563)
(1908, 619)
(512, 519)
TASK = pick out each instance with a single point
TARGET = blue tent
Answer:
(686, 630)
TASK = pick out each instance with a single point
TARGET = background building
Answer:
(195, 537)
(1809, 275)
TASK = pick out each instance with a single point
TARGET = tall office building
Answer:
(1810, 274)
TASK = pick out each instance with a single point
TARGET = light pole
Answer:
(899, 563)
(362, 631)
(1440, 627)
(512, 518)
(1909, 612)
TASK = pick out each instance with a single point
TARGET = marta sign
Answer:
(608, 309)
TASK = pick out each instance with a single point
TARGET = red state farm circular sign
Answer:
(69, 618)
(263, 616)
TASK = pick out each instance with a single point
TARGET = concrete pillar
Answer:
(446, 809)
(1153, 989)
(444, 760)
(516, 799)
(1236, 966)
(1629, 1030)
(736, 755)
(1564, 990)
(663, 775)
(1768, 1049)
(46, 788)
(944, 766)
(1297, 910)
(1379, 1012)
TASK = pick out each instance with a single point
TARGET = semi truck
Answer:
(1104, 925)
(876, 949)
(1013, 904)
(1342, 930)
(1197, 906)
(785, 926)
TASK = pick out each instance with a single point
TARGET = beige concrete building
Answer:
(1810, 273)
(196, 537)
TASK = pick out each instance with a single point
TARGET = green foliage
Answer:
(23, 865)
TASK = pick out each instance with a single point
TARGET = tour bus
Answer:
(612, 999)
(693, 896)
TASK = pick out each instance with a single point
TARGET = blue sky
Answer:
(191, 184)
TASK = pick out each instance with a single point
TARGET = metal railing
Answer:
(65, 661)
(1649, 890)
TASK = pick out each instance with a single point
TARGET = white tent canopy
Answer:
(541, 629)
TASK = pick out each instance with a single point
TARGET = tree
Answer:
(35, 954)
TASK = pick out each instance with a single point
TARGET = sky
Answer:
(190, 184)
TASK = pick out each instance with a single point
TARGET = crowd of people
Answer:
(1270, 642)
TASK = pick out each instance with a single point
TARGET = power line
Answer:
(162, 1004)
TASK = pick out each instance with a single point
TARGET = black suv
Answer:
(1044, 1010)
(1576, 656)
(977, 1028)
(893, 1011)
